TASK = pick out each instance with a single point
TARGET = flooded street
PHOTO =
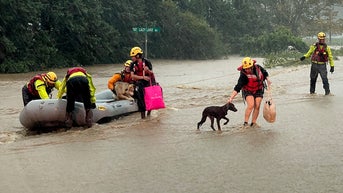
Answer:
(301, 152)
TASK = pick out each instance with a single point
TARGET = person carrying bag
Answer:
(153, 97)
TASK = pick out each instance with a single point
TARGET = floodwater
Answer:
(301, 152)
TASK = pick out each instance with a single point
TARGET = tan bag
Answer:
(269, 109)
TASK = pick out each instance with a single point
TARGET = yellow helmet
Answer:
(127, 63)
(50, 77)
(321, 35)
(247, 62)
(135, 50)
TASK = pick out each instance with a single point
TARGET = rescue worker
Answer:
(79, 86)
(142, 75)
(124, 75)
(40, 87)
(251, 82)
(321, 54)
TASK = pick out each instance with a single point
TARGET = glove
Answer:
(93, 106)
(332, 69)
(302, 58)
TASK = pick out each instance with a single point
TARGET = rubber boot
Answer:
(327, 91)
(312, 86)
(69, 120)
(89, 118)
(326, 88)
(143, 114)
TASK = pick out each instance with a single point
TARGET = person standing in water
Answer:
(320, 54)
(251, 82)
(79, 85)
(40, 87)
(142, 74)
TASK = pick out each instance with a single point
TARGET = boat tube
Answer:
(50, 113)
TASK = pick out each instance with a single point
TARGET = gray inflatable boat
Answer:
(50, 113)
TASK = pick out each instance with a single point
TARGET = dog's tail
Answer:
(203, 119)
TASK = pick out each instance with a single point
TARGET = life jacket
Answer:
(126, 77)
(255, 81)
(320, 54)
(138, 68)
(75, 69)
(31, 85)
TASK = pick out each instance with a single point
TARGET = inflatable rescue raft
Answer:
(51, 113)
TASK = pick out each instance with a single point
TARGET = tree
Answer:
(20, 27)
(186, 36)
(300, 16)
(123, 16)
(81, 35)
(38, 35)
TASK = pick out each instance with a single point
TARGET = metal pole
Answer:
(146, 40)
(146, 43)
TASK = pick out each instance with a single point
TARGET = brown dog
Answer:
(124, 91)
(218, 112)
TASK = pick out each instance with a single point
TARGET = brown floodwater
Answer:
(301, 152)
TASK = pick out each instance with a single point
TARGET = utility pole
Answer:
(146, 30)
(146, 41)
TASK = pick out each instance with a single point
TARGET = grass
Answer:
(285, 58)
(292, 57)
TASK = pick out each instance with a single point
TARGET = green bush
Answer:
(285, 58)
(291, 58)
(10, 66)
(269, 43)
(336, 53)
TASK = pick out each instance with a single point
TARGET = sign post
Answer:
(146, 30)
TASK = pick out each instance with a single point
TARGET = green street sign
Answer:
(153, 29)
(146, 29)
